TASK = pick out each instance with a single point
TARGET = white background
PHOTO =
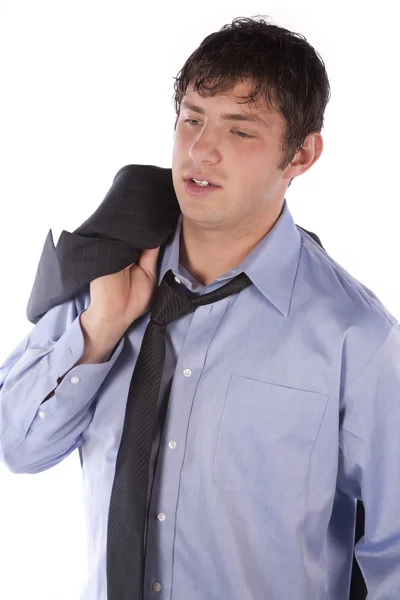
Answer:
(86, 87)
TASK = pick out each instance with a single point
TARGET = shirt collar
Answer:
(272, 265)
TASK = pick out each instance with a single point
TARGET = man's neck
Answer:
(207, 255)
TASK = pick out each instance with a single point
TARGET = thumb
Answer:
(148, 259)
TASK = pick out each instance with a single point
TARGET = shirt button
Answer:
(172, 444)
(157, 586)
(187, 372)
(42, 414)
(177, 280)
(75, 380)
(161, 517)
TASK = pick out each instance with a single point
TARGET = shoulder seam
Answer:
(341, 272)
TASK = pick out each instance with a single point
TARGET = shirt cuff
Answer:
(80, 383)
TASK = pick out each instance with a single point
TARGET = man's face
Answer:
(240, 156)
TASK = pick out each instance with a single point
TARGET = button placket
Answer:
(183, 387)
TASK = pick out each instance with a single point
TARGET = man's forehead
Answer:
(231, 103)
(238, 91)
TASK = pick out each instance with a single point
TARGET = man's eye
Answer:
(241, 134)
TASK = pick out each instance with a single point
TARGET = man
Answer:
(278, 406)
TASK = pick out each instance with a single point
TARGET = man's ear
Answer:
(306, 155)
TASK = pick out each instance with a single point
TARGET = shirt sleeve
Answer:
(36, 435)
(369, 464)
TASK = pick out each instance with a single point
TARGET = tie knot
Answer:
(169, 304)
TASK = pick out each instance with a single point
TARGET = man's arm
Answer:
(36, 434)
(95, 351)
(369, 464)
(47, 388)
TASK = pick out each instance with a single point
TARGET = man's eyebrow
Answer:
(227, 116)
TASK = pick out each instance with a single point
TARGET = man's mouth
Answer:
(201, 183)
(199, 187)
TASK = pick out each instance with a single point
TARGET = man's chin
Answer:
(197, 217)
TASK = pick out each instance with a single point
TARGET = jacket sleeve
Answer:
(35, 434)
(369, 465)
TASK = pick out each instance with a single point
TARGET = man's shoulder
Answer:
(350, 315)
(332, 283)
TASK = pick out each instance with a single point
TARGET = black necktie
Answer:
(128, 505)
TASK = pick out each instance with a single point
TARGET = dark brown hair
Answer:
(283, 66)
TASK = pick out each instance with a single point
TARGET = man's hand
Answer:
(116, 301)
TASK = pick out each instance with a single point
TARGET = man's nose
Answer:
(205, 148)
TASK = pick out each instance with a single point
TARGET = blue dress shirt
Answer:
(284, 408)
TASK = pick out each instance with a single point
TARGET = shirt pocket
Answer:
(266, 437)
